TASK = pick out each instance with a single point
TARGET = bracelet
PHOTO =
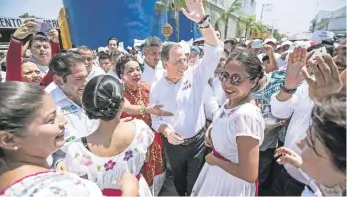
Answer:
(142, 110)
(207, 26)
(17, 39)
(203, 19)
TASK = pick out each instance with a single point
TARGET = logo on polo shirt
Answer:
(69, 109)
(186, 85)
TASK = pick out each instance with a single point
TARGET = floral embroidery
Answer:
(128, 155)
(99, 168)
(58, 191)
(77, 155)
(109, 165)
(136, 150)
(86, 160)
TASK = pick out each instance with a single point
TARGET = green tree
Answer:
(278, 36)
(249, 24)
(173, 6)
(227, 14)
(26, 15)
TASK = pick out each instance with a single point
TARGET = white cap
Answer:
(185, 46)
(101, 49)
(273, 40)
(286, 43)
(302, 44)
(257, 44)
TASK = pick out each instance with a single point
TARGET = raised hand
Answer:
(28, 27)
(326, 79)
(287, 156)
(296, 61)
(53, 35)
(195, 10)
(268, 49)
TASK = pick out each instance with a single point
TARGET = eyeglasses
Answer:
(234, 79)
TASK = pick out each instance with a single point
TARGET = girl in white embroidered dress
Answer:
(116, 146)
(237, 132)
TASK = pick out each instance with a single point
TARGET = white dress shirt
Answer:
(211, 102)
(113, 74)
(184, 99)
(151, 75)
(96, 71)
(79, 125)
(218, 90)
(299, 108)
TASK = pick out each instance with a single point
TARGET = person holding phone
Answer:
(31, 70)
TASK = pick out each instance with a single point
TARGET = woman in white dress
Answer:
(30, 131)
(236, 134)
(116, 146)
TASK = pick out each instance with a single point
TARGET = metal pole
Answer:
(262, 10)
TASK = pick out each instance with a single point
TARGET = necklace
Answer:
(139, 96)
(143, 112)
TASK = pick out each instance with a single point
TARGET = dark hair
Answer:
(266, 57)
(102, 97)
(165, 52)
(231, 41)
(113, 38)
(39, 38)
(329, 126)
(251, 62)
(19, 103)
(152, 41)
(104, 56)
(62, 63)
(120, 66)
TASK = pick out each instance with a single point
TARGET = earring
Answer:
(15, 148)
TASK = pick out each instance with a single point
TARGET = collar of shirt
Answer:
(56, 92)
(43, 69)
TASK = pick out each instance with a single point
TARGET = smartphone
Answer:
(318, 52)
(43, 27)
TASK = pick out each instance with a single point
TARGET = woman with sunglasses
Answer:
(323, 154)
(236, 133)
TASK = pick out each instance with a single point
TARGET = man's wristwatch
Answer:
(288, 91)
(204, 22)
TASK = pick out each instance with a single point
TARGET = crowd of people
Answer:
(225, 118)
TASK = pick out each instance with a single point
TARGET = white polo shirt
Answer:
(79, 125)
(185, 98)
(151, 75)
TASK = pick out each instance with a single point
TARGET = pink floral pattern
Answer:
(109, 165)
(86, 160)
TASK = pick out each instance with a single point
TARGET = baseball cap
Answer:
(257, 44)
(196, 49)
(273, 40)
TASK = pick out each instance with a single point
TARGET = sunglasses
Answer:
(234, 79)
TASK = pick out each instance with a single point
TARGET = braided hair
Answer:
(102, 97)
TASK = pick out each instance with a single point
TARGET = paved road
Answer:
(168, 188)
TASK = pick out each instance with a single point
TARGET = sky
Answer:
(292, 16)
(289, 16)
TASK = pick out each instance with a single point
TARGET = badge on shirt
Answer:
(70, 109)
(186, 85)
